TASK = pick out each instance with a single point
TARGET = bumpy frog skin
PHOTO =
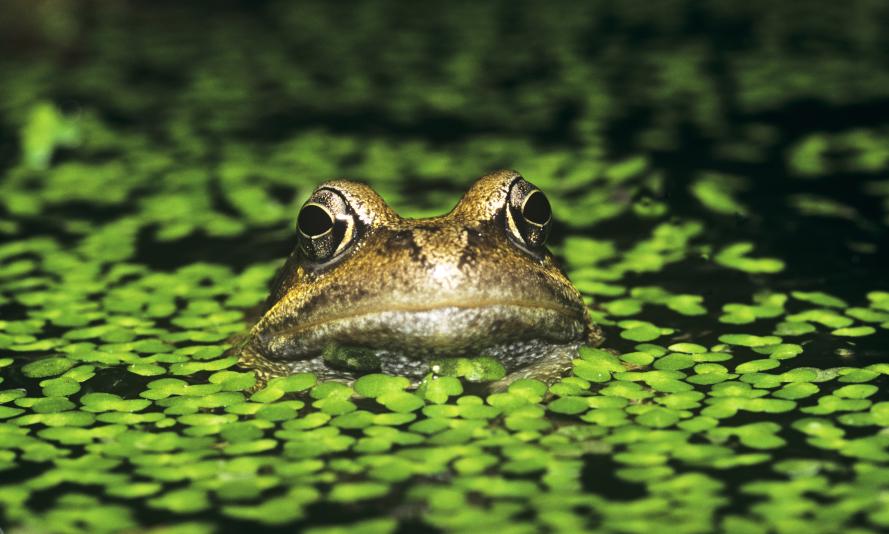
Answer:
(368, 291)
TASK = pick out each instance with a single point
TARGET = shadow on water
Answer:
(236, 252)
(599, 477)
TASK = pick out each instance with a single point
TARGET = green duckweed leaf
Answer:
(288, 384)
(376, 385)
(400, 401)
(797, 390)
(867, 315)
(655, 350)
(596, 365)
(857, 375)
(47, 404)
(146, 369)
(793, 328)
(7, 411)
(623, 307)
(438, 389)
(735, 256)
(826, 317)
(47, 367)
(568, 405)
(717, 193)
(658, 418)
(642, 332)
(181, 501)
(748, 340)
(819, 298)
(637, 358)
(233, 381)
(856, 391)
(756, 366)
(103, 402)
(857, 331)
(782, 351)
(136, 490)
(277, 412)
(534, 390)
(674, 361)
(60, 387)
(358, 491)
(880, 413)
(275, 511)
(687, 348)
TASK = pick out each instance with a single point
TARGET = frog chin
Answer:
(429, 332)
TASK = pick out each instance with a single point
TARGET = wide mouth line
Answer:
(425, 308)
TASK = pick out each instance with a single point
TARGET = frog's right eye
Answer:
(528, 215)
(326, 225)
(314, 221)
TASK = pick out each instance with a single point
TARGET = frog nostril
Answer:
(314, 220)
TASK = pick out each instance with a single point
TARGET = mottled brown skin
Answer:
(409, 290)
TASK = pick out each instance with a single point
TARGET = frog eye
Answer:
(528, 215)
(536, 209)
(314, 221)
(325, 225)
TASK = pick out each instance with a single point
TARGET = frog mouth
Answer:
(439, 329)
(568, 313)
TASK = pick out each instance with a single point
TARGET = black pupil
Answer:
(536, 209)
(314, 221)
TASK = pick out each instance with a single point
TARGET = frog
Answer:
(365, 290)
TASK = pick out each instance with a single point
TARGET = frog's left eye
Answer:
(528, 215)
(326, 225)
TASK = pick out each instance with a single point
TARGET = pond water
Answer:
(720, 180)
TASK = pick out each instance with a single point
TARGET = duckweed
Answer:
(735, 257)
(47, 367)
